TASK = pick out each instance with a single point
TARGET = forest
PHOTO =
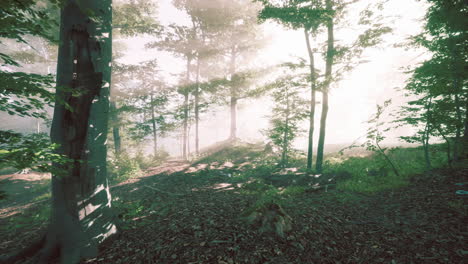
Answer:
(233, 131)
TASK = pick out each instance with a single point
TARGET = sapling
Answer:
(376, 134)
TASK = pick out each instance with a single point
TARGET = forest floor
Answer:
(196, 213)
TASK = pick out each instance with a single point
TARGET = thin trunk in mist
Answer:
(189, 126)
(233, 94)
(155, 131)
(312, 100)
(81, 215)
(186, 97)
(284, 155)
(427, 133)
(197, 112)
(115, 129)
(328, 78)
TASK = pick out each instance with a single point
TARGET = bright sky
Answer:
(352, 100)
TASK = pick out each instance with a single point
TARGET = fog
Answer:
(352, 100)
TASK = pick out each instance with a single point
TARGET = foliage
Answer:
(16, 100)
(440, 79)
(146, 161)
(123, 168)
(295, 14)
(376, 134)
(135, 17)
(29, 151)
(374, 174)
(288, 112)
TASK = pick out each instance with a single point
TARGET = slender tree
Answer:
(309, 16)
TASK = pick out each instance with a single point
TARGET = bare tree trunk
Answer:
(457, 146)
(81, 216)
(465, 134)
(427, 132)
(284, 154)
(186, 101)
(233, 103)
(115, 128)
(197, 111)
(155, 131)
(328, 78)
(312, 101)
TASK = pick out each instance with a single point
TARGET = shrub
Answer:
(123, 168)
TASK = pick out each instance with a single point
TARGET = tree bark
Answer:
(81, 216)
(328, 78)
(312, 101)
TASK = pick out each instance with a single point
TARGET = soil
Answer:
(178, 213)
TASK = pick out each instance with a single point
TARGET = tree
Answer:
(149, 105)
(443, 77)
(288, 112)
(340, 59)
(306, 15)
(180, 41)
(81, 216)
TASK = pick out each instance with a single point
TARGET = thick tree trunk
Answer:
(155, 131)
(81, 216)
(115, 129)
(328, 78)
(312, 101)
(234, 99)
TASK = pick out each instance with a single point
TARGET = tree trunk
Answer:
(197, 112)
(234, 99)
(284, 155)
(186, 97)
(457, 146)
(81, 216)
(426, 151)
(312, 101)
(328, 78)
(427, 132)
(465, 134)
(153, 123)
(115, 129)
